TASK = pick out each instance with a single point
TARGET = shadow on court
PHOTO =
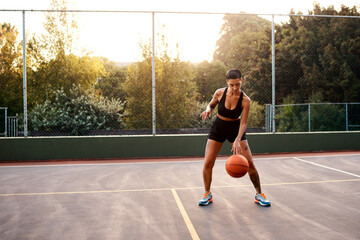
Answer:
(313, 197)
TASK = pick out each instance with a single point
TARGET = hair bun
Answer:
(233, 74)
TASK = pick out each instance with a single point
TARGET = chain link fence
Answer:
(86, 77)
(3, 121)
(314, 117)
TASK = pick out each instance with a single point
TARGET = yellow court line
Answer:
(185, 216)
(86, 192)
(290, 183)
(170, 189)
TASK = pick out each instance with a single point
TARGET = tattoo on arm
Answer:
(214, 101)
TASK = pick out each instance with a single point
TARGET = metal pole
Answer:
(17, 127)
(347, 117)
(6, 122)
(13, 126)
(309, 121)
(273, 73)
(153, 77)
(24, 80)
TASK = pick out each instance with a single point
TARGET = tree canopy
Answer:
(175, 91)
(313, 54)
(10, 69)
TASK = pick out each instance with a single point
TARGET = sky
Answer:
(117, 35)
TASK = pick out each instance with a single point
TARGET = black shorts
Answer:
(222, 130)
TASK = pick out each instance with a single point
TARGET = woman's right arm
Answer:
(212, 104)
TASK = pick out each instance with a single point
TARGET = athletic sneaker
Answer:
(206, 199)
(261, 199)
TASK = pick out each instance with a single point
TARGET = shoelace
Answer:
(262, 196)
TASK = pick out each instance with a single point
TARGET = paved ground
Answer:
(314, 196)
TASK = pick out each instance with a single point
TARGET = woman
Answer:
(231, 103)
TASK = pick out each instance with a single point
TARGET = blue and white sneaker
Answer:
(261, 199)
(206, 199)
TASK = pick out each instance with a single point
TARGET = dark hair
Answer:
(233, 74)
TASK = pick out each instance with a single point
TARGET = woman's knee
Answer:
(211, 152)
(209, 164)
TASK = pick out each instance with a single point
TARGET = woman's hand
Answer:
(205, 114)
(236, 147)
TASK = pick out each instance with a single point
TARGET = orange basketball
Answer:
(237, 166)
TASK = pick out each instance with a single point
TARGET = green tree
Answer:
(61, 31)
(110, 86)
(10, 69)
(245, 43)
(63, 73)
(323, 117)
(291, 118)
(195, 119)
(209, 77)
(316, 54)
(257, 80)
(256, 115)
(52, 63)
(328, 117)
(313, 54)
(238, 40)
(175, 91)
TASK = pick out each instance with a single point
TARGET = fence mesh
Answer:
(90, 73)
(317, 117)
(3, 121)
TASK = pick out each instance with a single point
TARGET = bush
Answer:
(195, 119)
(256, 115)
(77, 113)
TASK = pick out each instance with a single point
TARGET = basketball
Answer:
(237, 166)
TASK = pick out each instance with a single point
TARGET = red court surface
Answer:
(313, 195)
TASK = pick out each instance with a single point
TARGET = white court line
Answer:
(323, 166)
(313, 156)
(185, 216)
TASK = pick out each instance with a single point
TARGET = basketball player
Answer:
(232, 103)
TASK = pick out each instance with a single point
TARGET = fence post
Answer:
(6, 131)
(268, 117)
(347, 117)
(309, 114)
(273, 73)
(24, 80)
(153, 77)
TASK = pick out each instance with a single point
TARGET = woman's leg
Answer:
(211, 151)
(260, 197)
(253, 173)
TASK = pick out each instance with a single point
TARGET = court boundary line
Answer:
(179, 188)
(167, 162)
(323, 166)
(185, 216)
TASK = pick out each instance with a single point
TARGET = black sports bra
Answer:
(233, 114)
